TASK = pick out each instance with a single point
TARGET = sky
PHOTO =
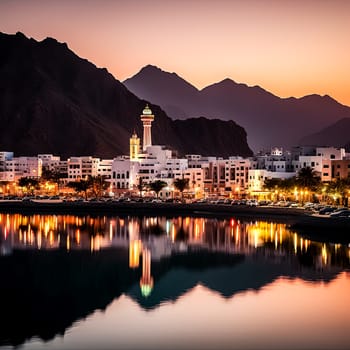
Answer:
(290, 48)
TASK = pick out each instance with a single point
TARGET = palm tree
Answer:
(308, 179)
(181, 185)
(157, 186)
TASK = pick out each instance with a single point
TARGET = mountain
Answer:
(337, 134)
(175, 94)
(53, 101)
(268, 119)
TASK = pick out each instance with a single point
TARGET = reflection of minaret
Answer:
(146, 281)
(147, 118)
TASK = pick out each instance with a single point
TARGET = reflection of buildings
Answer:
(163, 237)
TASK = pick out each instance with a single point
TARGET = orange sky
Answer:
(291, 48)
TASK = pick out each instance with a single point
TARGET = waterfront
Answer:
(145, 282)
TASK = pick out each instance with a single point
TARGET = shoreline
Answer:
(322, 228)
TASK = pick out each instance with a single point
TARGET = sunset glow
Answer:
(290, 48)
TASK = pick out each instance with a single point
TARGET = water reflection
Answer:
(163, 237)
(57, 269)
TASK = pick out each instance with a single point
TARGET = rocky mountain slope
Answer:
(53, 101)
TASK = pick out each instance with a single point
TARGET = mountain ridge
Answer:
(336, 134)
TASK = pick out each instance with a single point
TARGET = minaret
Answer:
(134, 147)
(147, 118)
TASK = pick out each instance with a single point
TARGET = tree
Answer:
(98, 185)
(272, 184)
(340, 188)
(308, 179)
(52, 176)
(157, 186)
(81, 186)
(181, 185)
(28, 184)
(140, 186)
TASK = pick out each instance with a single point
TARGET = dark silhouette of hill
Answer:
(268, 119)
(337, 134)
(53, 101)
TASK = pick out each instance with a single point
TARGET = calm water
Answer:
(71, 282)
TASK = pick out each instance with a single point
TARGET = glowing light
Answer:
(135, 248)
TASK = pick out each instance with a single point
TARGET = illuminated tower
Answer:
(146, 281)
(134, 147)
(147, 118)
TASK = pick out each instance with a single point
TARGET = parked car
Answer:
(327, 210)
(343, 213)
(252, 202)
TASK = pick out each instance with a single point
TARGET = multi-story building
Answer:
(49, 161)
(340, 169)
(82, 167)
(18, 167)
(105, 168)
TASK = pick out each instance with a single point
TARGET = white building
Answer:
(124, 173)
(49, 161)
(257, 178)
(105, 168)
(82, 167)
(19, 167)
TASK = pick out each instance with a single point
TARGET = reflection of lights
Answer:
(276, 241)
(324, 255)
(39, 240)
(77, 236)
(135, 247)
(110, 231)
(173, 233)
(295, 243)
(167, 227)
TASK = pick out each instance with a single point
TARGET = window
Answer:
(325, 174)
(325, 166)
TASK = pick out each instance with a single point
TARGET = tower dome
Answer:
(147, 111)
